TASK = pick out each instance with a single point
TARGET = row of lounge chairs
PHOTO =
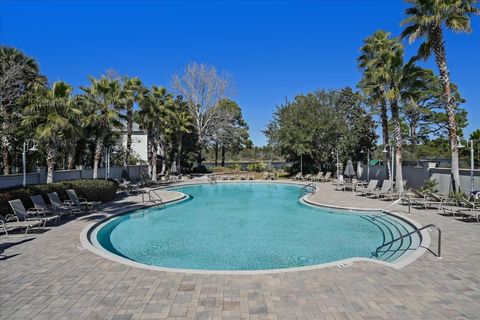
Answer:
(41, 213)
(319, 177)
(457, 205)
(236, 177)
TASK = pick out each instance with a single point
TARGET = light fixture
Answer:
(33, 148)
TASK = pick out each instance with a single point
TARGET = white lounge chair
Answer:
(41, 206)
(11, 223)
(384, 190)
(369, 188)
(81, 201)
(57, 203)
(31, 214)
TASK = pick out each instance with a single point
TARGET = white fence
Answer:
(416, 177)
(40, 176)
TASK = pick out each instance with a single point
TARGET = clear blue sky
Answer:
(273, 49)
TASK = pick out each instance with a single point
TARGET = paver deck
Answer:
(51, 276)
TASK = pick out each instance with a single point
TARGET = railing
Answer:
(158, 200)
(375, 254)
(305, 188)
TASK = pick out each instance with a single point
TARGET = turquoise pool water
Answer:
(248, 226)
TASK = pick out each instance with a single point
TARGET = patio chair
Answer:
(57, 203)
(306, 177)
(318, 177)
(326, 177)
(297, 176)
(251, 177)
(384, 190)
(369, 188)
(31, 214)
(423, 199)
(11, 223)
(41, 206)
(81, 201)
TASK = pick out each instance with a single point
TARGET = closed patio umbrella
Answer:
(349, 170)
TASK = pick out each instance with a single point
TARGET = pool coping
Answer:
(86, 234)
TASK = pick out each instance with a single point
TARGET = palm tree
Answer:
(132, 89)
(426, 19)
(104, 98)
(183, 123)
(18, 75)
(373, 56)
(49, 113)
(153, 116)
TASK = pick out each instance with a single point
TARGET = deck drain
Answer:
(344, 265)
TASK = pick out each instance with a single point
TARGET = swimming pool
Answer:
(250, 226)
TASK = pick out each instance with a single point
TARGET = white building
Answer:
(139, 141)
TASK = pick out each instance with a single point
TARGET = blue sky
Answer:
(273, 49)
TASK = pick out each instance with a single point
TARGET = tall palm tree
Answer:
(426, 19)
(18, 75)
(104, 98)
(132, 89)
(373, 56)
(49, 113)
(183, 123)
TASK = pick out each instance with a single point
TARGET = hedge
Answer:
(93, 190)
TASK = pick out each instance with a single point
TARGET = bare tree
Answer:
(203, 88)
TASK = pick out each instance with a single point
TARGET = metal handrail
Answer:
(375, 254)
(305, 187)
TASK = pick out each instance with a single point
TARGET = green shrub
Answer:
(257, 167)
(430, 186)
(93, 190)
(235, 167)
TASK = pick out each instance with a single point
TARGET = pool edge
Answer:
(86, 242)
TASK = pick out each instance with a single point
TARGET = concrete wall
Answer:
(63, 175)
(416, 176)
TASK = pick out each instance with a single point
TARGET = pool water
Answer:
(246, 226)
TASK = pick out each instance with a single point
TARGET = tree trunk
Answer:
(129, 133)
(223, 155)
(5, 142)
(71, 161)
(149, 151)
(154, 160)
(80, 148)
(441, 60)
(51, 154)
(398, 147)
(98, 156)
(385, 135)
(216, 154)
(179, 155)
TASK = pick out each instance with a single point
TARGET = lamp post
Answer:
(108, 153)
(368, 161)
(26, 148)
(333, 152)
(470, 145)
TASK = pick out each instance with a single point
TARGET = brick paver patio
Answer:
(51, 276)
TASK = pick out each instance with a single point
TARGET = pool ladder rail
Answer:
(153, 197)
(439, 245)
(305, 190)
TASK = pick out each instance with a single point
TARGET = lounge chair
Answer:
(41, 206)
(57, 203)
(11, 223)
(81, 201)
(384, 190)
(306, 177)
(251, 177)
(31, 214)
(318, 176)
(369, 188)
(326, 177)
(297, 176)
